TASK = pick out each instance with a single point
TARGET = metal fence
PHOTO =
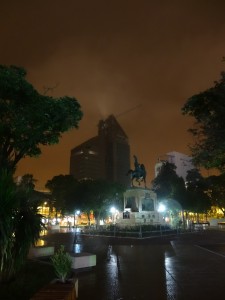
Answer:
(136, 232)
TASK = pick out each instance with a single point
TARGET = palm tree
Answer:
(20, 225)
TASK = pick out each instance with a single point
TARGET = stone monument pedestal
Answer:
(140, 208)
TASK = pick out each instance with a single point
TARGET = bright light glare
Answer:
(112, 210)
(161, 207)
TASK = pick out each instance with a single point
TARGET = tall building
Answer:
(105, 156)
(182, 162)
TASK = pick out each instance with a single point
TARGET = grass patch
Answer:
(28, 281)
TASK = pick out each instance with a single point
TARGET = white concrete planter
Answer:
(83, 260)
(41, 251)
(54, 227)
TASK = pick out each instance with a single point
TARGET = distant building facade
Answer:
(182, 162)
(105, 156)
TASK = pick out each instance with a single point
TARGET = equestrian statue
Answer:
(138, 174)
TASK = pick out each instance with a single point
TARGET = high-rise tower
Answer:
(105, 156)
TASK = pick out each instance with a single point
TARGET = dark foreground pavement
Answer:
(189, 266)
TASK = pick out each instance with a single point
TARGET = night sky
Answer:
(143, 57)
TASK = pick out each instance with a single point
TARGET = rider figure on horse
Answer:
(137, 166)
(139, 173)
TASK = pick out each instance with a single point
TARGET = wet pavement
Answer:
(187, 266)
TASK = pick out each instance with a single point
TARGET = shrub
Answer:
(62, 263)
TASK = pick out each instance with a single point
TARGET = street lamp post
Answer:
(76, 214)
(113, 211)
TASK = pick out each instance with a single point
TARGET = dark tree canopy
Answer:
(62, 189)
(197, 187)
(208, 109)
(29, 119)
(27, 181)
(98, 196)
(216, 191)
(167, 181)
(85, 195)
(168, 185)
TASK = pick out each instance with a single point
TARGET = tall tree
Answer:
(98, 196)
(62, 192)
(197, 187)
(216, 191)
(168, 184)
(170, 190)
(105, 195)
(29, 119)
(27, 181)
(208, 109)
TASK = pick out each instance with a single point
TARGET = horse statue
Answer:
(138, 174)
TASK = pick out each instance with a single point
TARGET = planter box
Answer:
(54, 227)
(83, 260)
(41, 251)
(58, 291)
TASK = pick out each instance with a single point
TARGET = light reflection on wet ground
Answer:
(131, 272)
(123, 272)
(78, 248)
(40, 242)
(112, 271)
(171, 284)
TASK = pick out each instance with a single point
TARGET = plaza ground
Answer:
(184, 266)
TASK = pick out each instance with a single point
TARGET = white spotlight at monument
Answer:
(161, 207)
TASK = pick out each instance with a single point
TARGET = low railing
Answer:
(137, 232)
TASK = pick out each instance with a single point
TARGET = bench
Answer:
(221, 224)
(200, 226)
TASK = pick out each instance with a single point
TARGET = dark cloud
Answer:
(113, 56)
